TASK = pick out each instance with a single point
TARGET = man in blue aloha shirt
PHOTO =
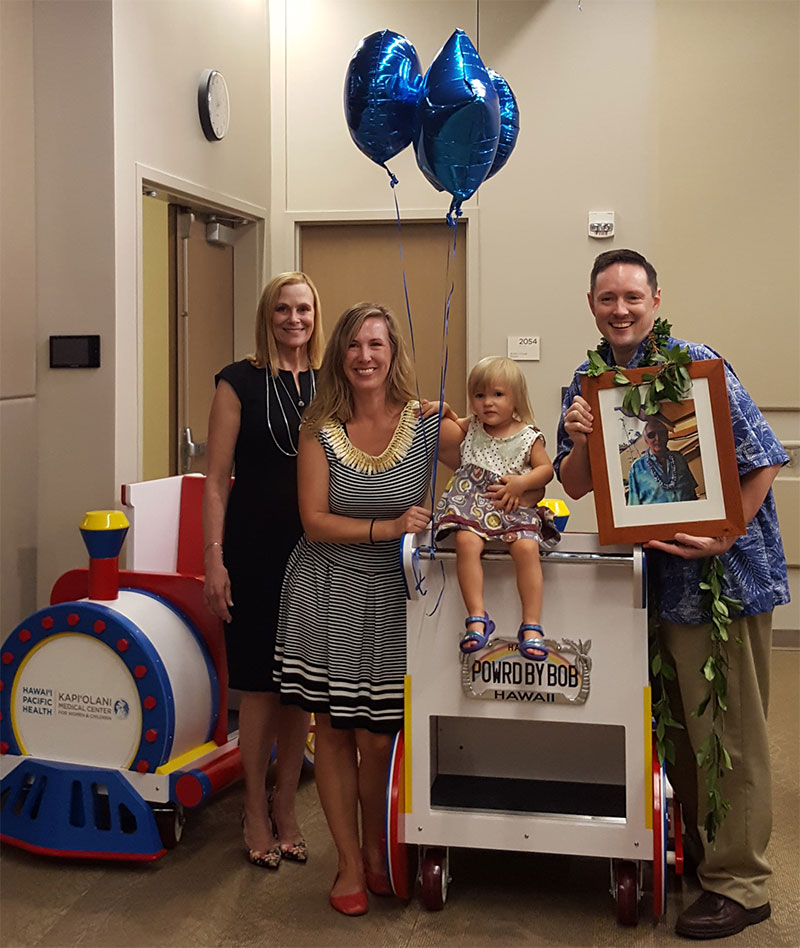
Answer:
(624, 298)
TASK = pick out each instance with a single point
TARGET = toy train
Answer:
(114, 706)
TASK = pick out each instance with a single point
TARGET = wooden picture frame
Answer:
(655, 500)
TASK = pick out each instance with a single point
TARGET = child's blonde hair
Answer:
(507, 373)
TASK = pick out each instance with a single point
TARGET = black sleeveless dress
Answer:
(262, 523)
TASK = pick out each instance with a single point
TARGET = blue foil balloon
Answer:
(509, 122)
(381, 91)
(458, 121)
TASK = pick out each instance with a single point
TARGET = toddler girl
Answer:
(502, 458)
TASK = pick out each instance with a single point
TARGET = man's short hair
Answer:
(610, 257)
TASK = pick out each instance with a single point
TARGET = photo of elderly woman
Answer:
(655, 472)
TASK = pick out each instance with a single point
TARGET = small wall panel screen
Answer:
(74, 352)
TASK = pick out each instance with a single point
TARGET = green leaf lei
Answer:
(671, 381)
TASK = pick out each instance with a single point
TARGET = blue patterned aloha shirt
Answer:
(755, 565)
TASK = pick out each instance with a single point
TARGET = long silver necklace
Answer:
(292, 452)
(668, 480)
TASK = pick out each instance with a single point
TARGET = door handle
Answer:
(191, 449)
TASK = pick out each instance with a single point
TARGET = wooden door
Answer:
(205, 332)
(353, 263)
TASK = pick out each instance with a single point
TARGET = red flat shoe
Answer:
(378, 883)
(353, 904)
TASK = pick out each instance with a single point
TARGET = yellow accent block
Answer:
(406, 806)
(555, 504)
(648, 758)
(187, 758)
(104, 520)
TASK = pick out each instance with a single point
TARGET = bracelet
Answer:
(371, 525)
(208, 546)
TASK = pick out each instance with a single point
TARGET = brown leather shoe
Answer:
(717, 916)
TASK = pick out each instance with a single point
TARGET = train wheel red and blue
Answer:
(401, 858)
(660, 837)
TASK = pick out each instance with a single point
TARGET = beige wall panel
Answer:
(18, 597)
(581, 147)
(75, 273)
(17, 207)
(787, 501)
(156, 355)
(728, 184)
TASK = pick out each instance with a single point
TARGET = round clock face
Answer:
(214, 105)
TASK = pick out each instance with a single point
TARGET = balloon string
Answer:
(451, 255)
(408, 312)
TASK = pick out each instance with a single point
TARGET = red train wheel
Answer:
(400, 858)
(626, 894)
(435, 878)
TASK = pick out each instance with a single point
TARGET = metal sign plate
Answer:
(499, 673)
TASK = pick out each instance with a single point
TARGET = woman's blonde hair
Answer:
(266, 350)
(334, 398)
(507, 373)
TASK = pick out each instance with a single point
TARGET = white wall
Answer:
(18, 407)
(116, 100)
(681, 117)
(621, 105)
(530, 255)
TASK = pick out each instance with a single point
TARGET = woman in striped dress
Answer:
(364, 465)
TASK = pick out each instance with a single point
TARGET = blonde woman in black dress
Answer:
(249, 532)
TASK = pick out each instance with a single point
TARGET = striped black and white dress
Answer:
(341, 645)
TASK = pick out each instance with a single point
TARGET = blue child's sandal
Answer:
(532, 647)
(472, 640)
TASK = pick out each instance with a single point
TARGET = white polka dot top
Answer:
(499, 455)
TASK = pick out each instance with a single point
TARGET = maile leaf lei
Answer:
(671, 381)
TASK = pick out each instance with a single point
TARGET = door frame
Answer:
(286, 239)
(248, 262)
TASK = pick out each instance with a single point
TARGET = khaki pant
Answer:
(735, 864)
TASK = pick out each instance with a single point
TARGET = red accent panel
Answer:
(190, 560)
(189, 790)
(224, 770)
(104, 579)
(186, 594)
(24, 635)
(74, 854)
(149, 703)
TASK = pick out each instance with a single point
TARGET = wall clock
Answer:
(213, 105)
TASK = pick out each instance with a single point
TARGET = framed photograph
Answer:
(667, 473)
